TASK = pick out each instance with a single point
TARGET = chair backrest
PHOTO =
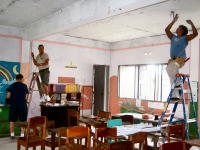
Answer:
(73, 117)
(116, 117)
(177, 130)
(77, 133)
(104, 114)
(172, 146)
(140, 137)
(36, 127)
(50, 124)
(122, 145)
(127, 119)
(114, 122)
(105, 132)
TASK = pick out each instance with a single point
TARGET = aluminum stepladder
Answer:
(182, 78)
(35, 79)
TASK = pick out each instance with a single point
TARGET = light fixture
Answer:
(71, 66)
(147, 53)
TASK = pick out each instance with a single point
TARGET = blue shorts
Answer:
(17, 113)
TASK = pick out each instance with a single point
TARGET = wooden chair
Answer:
(126, 119)
(176, 132)
(55, 141)
(141, 138)
(73, 117)
(122, 145)
(116, 117)
(172, 146)
(105, 136)
(104, 114)
(35, 135)
(77, 133)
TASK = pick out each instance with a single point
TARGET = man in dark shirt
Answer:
(17, 93)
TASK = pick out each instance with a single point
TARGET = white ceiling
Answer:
(148, 21)
(20, 13)
(144, 22)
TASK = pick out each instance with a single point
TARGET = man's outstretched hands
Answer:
(189, 22)
(175, 18)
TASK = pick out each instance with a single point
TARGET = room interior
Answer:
(94, 45)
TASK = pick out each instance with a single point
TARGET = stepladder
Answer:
(34, 80)
(183, 97)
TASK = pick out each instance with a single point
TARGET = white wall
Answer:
(83, 53)
(10, 44)
(12, 31)
(132, 52)
(62, 50)
(25, 51)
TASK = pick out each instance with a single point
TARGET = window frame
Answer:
(138, 69)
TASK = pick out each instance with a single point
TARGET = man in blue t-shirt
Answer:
(179, 43)
(17, 93)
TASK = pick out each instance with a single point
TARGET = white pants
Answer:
(172, 69)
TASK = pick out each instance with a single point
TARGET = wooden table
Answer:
(57, 113)
(139, 117)
(92, 121)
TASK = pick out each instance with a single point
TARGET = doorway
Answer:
(100, 88)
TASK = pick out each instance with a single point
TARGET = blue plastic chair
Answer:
(114, 122)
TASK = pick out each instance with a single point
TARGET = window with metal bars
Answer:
(147, 82)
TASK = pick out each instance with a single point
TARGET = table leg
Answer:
(53, 140)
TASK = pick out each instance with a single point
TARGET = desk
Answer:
(57, 113)
(128, 130)
(139, 117)
(92, 122)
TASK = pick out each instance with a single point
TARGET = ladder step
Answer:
(166, 114)
(191, 120)
(175, 121)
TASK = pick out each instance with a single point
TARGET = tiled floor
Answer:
(8, 144)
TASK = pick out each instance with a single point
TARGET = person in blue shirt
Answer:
(17, 93)
(179, 43)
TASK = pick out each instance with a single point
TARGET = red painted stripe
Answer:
(74, 45)
(136, 47)
(10, 36)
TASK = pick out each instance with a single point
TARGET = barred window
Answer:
(149, 82)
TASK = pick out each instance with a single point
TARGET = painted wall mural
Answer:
(8, 71)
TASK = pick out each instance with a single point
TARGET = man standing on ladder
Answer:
(42, 62)
(179, 43)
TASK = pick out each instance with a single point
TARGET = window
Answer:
(149, 82)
